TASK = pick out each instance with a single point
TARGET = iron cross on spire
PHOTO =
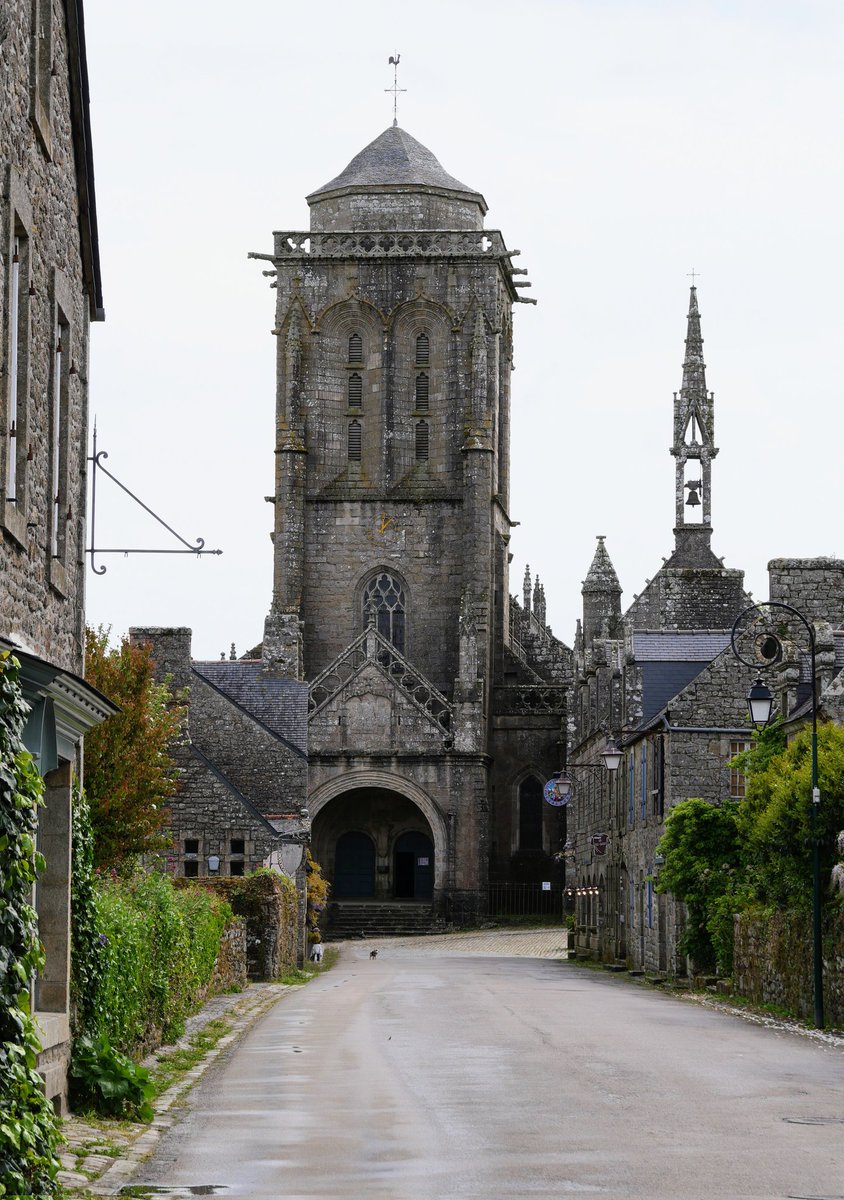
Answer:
(693, 274)
(395, 89)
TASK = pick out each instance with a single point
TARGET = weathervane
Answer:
(395, 89)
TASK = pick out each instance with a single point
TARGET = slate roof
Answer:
(395, 159)
(281, 705)
(684, 645)
(662, 681)
(231, 789)
(670, 659)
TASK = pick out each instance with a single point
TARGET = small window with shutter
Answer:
(422, 441)
(423, 350)
(355, 391)
(355, 441)
(355, 348)
(421, 396)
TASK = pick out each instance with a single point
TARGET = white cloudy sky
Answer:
(619, 144)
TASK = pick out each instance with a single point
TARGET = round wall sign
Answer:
(552, 795)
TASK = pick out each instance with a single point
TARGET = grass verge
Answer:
(294, 978)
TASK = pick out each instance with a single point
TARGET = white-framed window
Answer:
(60, 512)
(738, 779)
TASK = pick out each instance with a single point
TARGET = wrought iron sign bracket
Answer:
(96, 459)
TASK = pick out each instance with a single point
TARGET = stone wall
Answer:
(815, 586)
(268, 906)
(406, 210)
(259, 765)
(773, 962)
(230, 969)
(422, 545)
(41, 545)
(689, 598)
(207, 809)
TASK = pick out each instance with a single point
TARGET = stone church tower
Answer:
(390, 594)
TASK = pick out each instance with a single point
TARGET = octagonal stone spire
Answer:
(601, 595)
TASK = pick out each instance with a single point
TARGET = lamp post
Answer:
(768, 651)
(560, 787)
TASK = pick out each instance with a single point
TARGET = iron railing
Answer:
(526, 900)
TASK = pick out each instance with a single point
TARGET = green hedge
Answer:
(158, 946)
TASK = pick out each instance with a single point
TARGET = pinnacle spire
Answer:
(601, 576)
(694, 368)
(601, 595)
(694, 440)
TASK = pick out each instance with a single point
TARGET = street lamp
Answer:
(560, 788)
(768, 649)
(611, 754)
(760, 701)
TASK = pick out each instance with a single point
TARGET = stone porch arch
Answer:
(354, 780)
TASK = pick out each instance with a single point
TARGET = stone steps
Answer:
(347, 919)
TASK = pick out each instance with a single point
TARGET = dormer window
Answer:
(423, 350)
(421, 393)
(355, 391)
(355, 348)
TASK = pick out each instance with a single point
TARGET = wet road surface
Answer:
(430, 1074)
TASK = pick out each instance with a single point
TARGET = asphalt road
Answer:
(428, 1074)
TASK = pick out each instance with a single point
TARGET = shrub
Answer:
(317, 897)
(109, 1082)
(156, 946)
(700, 849)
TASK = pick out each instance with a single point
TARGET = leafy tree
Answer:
(703, 868)
(775, 819)
(725, 858)
(129, 772)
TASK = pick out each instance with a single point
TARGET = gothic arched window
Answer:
(384, 606)
(355, 441)
(355, 348)
(355, 391)
(423, 350)
(530, 814)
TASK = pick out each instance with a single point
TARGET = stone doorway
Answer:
(354, 865)
(413, 869)
(375, 844)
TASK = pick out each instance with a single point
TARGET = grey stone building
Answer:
(243, 763)
(435, 700)
(50, 291)
(662, 678)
